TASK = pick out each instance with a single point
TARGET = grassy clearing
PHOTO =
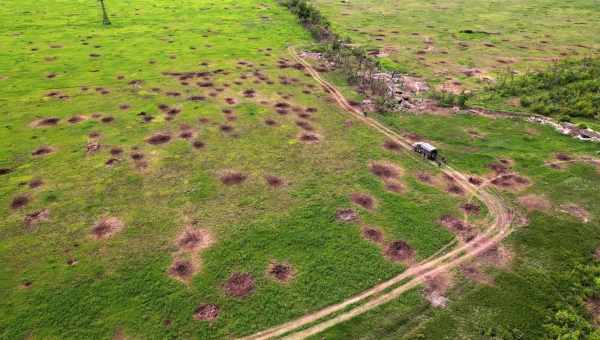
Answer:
(58, 281)
(440, 41)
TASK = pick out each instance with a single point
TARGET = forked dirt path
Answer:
(499, 226)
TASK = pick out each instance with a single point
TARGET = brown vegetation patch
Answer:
(194, 240)
(239, 285)
(364, 200)
(385, 170)
(496, 255)
(281, 272)
(399, 250)
(535, 202)
(159, 138)
(19, 202)
(592, 305)
(372, 234)
(230, 177)
(498, 168)
(309, 137)
(42, 150)
(576, 211)
(346, 215)
(206, 312)
(455, 189)
(107, 227)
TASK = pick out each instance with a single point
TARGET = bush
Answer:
(569, 87)
(447, 99)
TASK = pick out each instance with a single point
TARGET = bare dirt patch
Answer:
(576, 211)
(385, 170)
(19, 202)
(35, 183)
(457, 227)
(231, 177)
(194, 240)
(46, 122)
(372, 234)
(42, 151)
(158, 138)
(107, 227)
(392, 145)
(364, 200)
(476, 274)
(346, 215)
(274, 181)
(281, 272)
(399, 250)
(592, 305)
(206, 312)
(498, 256)
(198, 144)
(435, 289)
(393, 185)
(309, 137)
(239, 285)
(37, 217)
(511, 182)
(535, 202)
(182, 269)
(471, 208)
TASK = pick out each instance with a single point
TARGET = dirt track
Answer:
(499, 226)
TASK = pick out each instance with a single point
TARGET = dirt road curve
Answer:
(499, 226)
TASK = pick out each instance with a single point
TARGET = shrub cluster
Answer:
(567, 88)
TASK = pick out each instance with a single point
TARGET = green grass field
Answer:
(440, 41)
(58, 281)
(208, 74)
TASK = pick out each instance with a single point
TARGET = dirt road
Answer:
(499, 226)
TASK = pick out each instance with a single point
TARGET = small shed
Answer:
(426, 150)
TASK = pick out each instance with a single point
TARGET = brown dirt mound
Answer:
(305, 125)
(510, 181)
(198, 144)
(5, 171)
(392, 145)
(274, 181)
(37, 217)
(281, 272)
(239, 285)
(364, 200)
(393, 185)
(576, 211)
(107, 227)
(137, 156)
(458, 227)
(346, 215)
(159, 138)
(181, 269)
(372, 234)
(309, 137)
(399, 251)
(108, 119)
(270, 122)
(385, 170)
(19, 202)
(455, 189)
(36, 183)
(194, 240)
(116, 151)
(535, 202)
(232, 177)
(498, 167)
(206, 312)
(226, 128)
(475, 180)
(471, 208)
(51, 121)
(563, 157)
(424, 177)
(42, 150)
